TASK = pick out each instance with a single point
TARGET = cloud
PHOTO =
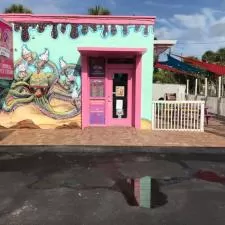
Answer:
(161, 4)
(190, 21)
(195, 33)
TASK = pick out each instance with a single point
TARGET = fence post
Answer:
(219, 89)
(202, 117)
(196, 88)
(187, 88)
(153, 115)
(206, 87)
(222, 86)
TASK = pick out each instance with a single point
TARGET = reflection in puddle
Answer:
(158, 198)
(143, 192)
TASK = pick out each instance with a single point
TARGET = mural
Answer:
(46, 88)
(38, 80)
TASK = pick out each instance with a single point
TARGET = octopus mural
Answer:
(37, 80)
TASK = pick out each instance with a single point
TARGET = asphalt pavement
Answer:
(54, 188)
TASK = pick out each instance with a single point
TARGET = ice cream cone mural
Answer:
(27, 54)
(62, 63)
(37, 82)
(71, 76)
(43, 59)
(22, 70)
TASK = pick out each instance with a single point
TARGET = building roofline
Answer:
(78, 19)
(161, 46)
(165, 42)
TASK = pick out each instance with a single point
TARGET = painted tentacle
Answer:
(17, 102)
(18, 62)
(53, 66)
(20, 83)
(52, 86)
(63, 86)
(64, 97)
(17, 94)
(27, 78)
(45, 108)
(58, 116)
(60, 96)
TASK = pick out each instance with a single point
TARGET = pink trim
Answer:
(111, 50)
(84, 82)
(106, 93)
(32, 18)
(8, 24)
(137, 100)
(134, 113)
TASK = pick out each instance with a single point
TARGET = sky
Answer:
(197, 25)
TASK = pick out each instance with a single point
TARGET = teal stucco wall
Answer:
(62, 53)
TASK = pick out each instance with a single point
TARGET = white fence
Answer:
(178, 115)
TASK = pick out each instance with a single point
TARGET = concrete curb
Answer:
(111, 149)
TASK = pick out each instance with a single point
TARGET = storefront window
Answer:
(120, 81)
(97, 67)
(97, 88)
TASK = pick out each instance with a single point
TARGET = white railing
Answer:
(178, 115)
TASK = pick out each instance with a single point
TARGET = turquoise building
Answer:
(83, 70)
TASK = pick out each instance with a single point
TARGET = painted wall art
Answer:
(46, 88)
(38, 81)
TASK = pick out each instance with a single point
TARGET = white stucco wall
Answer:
(159, 91)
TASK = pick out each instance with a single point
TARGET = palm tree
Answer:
(98, 10)
(17, 8)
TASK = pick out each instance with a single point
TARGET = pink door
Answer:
(119, 97)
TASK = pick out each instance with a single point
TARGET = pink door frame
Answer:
(109, 104)
(137, 75)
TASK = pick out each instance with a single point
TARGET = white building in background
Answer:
(160, 90)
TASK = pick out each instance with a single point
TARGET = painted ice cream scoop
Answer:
(27, 54)
(71, 78)
(62, 63)
(43, 59)
(22, 70)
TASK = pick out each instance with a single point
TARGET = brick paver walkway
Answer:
(115, 137)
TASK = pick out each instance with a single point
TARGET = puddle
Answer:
(137, 192)
(142, 192)
(158, 198)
